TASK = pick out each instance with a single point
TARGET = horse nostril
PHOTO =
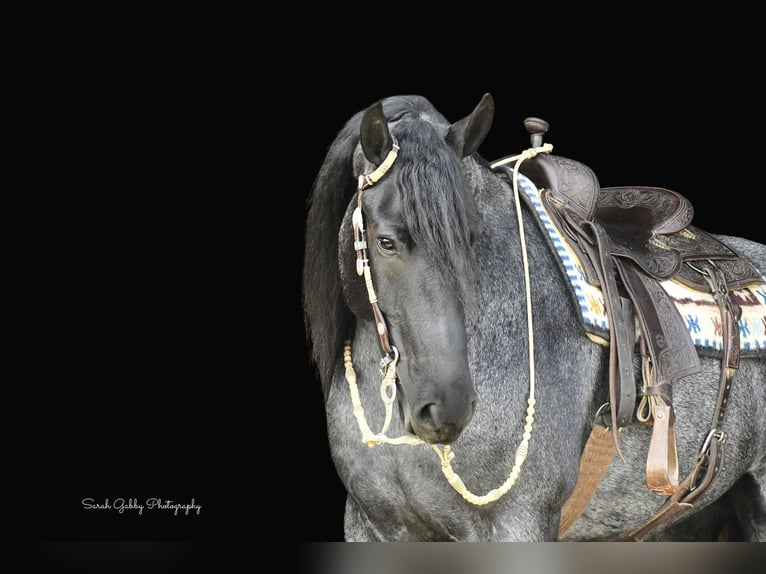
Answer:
(425, 415)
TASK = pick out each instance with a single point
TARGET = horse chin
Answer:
(443, 435)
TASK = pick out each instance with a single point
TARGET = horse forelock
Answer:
(434, 201)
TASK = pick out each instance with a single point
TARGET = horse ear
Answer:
(375, 138)
(465, 136)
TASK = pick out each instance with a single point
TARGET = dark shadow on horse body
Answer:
(447, 268)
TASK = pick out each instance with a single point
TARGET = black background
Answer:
(161, 349)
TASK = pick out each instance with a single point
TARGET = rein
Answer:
(389, 361)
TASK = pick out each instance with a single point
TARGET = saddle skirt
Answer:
(697, 307)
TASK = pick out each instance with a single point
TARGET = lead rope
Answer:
(388, 386)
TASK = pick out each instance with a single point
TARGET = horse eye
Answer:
(386, 245)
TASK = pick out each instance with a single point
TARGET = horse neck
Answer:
(512, 246)
(500, 313)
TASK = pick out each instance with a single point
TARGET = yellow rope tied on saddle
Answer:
(388, 386)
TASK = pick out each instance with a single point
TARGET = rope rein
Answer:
(388, 385)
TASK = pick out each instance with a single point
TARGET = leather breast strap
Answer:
(710, 459)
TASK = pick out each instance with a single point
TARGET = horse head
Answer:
(406, 254)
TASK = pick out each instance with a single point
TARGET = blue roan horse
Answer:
(466, 390)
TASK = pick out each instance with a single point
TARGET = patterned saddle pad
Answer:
(698, 309)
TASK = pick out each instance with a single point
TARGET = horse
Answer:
(437, 310)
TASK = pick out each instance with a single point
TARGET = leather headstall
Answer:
(362, 259)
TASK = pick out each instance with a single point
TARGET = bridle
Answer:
(363, 261)
(391, 357)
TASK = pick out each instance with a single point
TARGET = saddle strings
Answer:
(388, 386)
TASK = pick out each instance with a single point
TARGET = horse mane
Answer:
(328, 320)
(439, 226)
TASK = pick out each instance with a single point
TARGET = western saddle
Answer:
(629, 240)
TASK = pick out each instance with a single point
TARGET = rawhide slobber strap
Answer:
(628, 240)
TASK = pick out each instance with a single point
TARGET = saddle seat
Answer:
(633, 216)
(650, 226)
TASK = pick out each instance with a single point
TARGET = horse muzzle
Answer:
(436, 420)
